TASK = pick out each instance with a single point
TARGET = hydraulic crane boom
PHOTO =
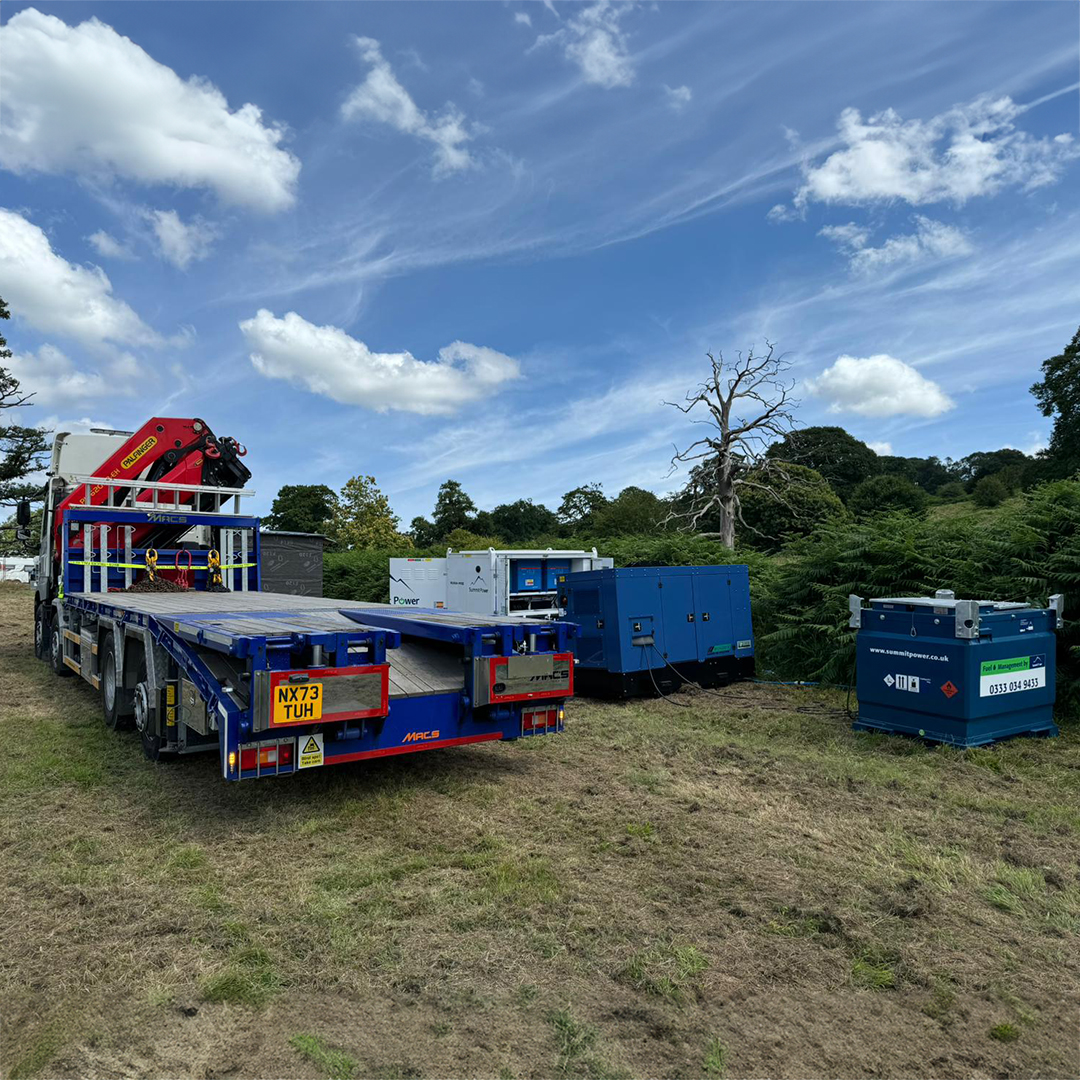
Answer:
(168, 450)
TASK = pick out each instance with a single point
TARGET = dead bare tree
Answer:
(749, 405)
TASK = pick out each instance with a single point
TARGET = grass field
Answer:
(737, 887)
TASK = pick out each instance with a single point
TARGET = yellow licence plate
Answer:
(298, 703)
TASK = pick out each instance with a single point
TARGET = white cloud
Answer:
(58, 297)
(522, 19)
(108, 246)
(678, 97)
(85, 99)
(882, 448)
(54, 379)
(878, 385)
(382, 98)
(594, 40)
(967, 151)
(931, 240)
(178, 243)
(327, 361)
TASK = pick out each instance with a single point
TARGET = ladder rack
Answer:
(162, 496)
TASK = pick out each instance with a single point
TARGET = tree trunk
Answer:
(726, 491)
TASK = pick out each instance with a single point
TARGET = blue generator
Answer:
(646, 630)
(965, 672)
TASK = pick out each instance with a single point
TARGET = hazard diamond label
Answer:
(949, 689)
(311, 751)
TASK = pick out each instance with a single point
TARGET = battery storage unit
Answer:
(965, 672)
(646, 630)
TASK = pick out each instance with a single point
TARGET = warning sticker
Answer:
(1012, 675)
(950, 689)
(311, 751)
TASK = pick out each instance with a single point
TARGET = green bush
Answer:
(364, 574)
(780, 511)
(990, 491)
(886, 493)
(952, 491)
(1031, 551)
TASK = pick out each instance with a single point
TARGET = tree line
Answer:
(753, 473)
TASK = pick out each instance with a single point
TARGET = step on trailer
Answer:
(274, 683)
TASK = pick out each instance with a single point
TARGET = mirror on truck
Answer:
(22, 513)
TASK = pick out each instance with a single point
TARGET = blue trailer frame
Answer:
(415, 680)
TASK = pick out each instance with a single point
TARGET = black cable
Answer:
(810, 710)
(652, 677)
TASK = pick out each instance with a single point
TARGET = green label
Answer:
(713, 649)
(1005, 667)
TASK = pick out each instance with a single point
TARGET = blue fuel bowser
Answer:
(965, 672)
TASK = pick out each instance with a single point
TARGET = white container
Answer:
(483, 582)
(418, 583)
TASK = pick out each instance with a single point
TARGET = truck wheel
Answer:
(41, 632)
(152, 743)
(117, 702)
(56, 649)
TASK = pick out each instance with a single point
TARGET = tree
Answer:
(929, 473)
(632, 512)
(302, 508)
(579, 507)
(1058, 395)
(1013, 463)
(452, 509)
(467, 540)
(776, 513)
(22, 449)
(990, 491)
(523, 520)
(423, 532)
(841, 458)
(879, 494)
(747, 405)
(363, 518)
(10, 544)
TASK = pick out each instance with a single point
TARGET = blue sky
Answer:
(486, 241)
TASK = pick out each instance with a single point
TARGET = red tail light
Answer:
(267, 758)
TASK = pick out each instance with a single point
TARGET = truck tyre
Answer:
(56, 648)
(152, 743)
(117, 702)
(41, 632)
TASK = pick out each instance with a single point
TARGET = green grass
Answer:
(44, 1047)
(756, 844)
(666, 969)
(333, 1064)
(941, 1005)
(576, 1043)
(716, 1056)
(1004, 1033)
(873, 969)
(250, 978)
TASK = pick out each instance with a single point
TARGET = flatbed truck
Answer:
(149, 589)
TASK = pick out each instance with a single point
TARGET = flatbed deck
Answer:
(415, 670)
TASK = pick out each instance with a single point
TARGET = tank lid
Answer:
(947, 603)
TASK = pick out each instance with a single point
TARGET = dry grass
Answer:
(731, 889)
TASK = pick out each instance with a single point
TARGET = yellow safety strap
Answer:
(141, 566)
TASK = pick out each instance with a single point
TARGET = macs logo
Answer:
(421, 736)
(555, 676)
